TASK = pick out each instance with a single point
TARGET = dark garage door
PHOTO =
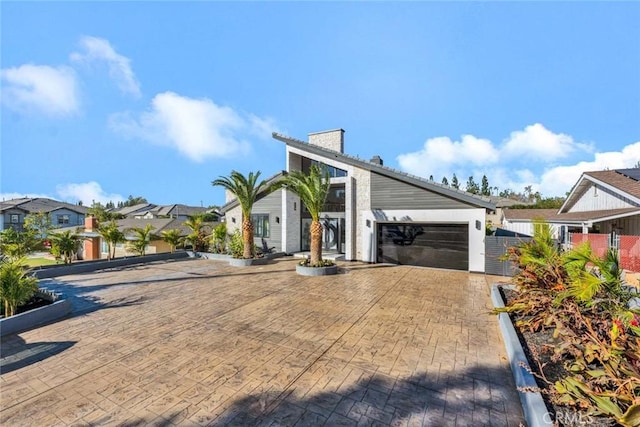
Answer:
(424, 244)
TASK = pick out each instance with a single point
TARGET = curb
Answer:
(533, 406)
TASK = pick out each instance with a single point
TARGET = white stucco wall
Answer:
(368, 238)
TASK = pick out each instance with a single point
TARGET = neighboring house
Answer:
(96, 248)
(494, 217)
(150, 211)
(600, 202)
(373, 213)
(13, 212)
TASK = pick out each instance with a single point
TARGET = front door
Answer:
(333, 234)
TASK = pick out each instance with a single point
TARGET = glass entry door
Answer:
(333, 234)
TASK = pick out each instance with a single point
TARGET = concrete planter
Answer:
(32, 318)
(246, 262)
(533, 406)
(316, 271)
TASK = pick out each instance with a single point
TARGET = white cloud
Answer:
(197, 128)
(87, 192)
(558, 180)
(539, 143)
(528, 157)
(440, 155)
(40, 89)
(100, 50)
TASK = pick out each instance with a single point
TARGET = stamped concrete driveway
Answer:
(196, 342)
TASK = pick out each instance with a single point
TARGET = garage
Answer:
(424, 244)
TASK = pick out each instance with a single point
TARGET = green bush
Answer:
(236, 245)
(15, 286)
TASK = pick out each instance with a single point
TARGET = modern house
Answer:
(601, 202)
(14, 211)
(373, 213)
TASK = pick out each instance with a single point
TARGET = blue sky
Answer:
(102, 100)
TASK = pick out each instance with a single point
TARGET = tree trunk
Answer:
(316, 242)
(247, 237)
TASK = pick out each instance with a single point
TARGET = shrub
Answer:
(219, 238)
(15, 286)
(582, 299)
(236, 244)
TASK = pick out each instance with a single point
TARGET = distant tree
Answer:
(39, 222)
(65, 245)
(132, 201)
(543, 203)
(112, 235)
(430, 177)
(100, 213)
(637, 165)
(485, 190)
(79, 202)
(109, 205)
(172, 237)
(445, 181)
(454, 182)
(472, 186)
(142, 238)
(507, 193)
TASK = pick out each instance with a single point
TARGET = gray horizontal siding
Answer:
(388, 193)
(272, 205)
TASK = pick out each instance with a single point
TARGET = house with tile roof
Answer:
(14, 211)
(602, 202)
(373, 213)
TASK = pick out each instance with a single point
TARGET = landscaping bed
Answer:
(537, 347)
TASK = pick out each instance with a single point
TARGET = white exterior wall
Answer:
(527, 228)
(291, 210)
(598, 198)
(368, 242)
(229, 215)
(362, 179)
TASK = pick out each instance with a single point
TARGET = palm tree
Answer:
(197, 237)
(112, 235)
(65, 244)
(312, 190)
(143, 235)
(172, 237)
(246, 190)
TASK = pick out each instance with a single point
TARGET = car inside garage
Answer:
(424, 244)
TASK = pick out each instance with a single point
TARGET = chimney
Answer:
(90, 223)
(376, 160)
(329, 139)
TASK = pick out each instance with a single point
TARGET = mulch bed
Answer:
(541, 343)
(35, 302)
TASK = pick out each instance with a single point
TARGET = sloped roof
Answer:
(621, 181)
(552, 215)
(129, 210)
(40, 204)
(177, 209)
(417, 181)
(618, 179)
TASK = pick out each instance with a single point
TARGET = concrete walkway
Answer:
(197, 342)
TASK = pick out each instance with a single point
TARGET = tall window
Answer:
(260, 225)
(63, 219)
